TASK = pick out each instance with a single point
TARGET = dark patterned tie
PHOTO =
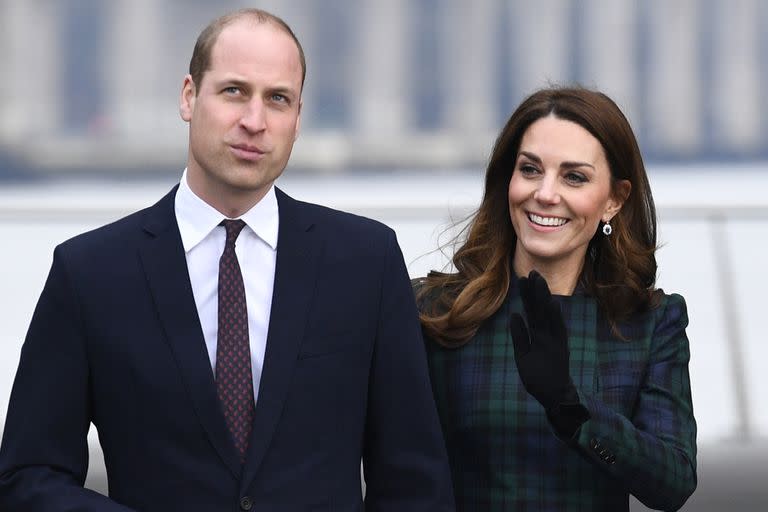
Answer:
(234, 383)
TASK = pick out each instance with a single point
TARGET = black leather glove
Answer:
(541, 354)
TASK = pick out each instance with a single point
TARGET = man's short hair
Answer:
(201, 56)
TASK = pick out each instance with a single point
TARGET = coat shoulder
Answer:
(339, 219)
(671, 312)
(116, 238)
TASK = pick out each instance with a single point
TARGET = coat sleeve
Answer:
(652, 452)
(44, 452)
(405, 460)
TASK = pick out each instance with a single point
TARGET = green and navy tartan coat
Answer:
(641, 438)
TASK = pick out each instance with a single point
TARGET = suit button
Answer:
(246, 503)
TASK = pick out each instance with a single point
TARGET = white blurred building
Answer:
(93, 85)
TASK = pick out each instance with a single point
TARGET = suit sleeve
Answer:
(653, 452)
(405, 461)
(44, 452)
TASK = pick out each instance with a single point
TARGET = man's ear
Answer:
(298, 121)
(188, 96)
(619, 195)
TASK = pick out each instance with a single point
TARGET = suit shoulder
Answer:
(345, 221)
(116, 235)
(129, 229)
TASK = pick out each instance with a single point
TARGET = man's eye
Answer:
(232, 90)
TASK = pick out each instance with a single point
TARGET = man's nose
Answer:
(254, 116)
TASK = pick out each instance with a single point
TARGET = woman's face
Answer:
(559, 191)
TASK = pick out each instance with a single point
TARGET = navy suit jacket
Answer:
(115, 341)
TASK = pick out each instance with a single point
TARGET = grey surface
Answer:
(733, 476)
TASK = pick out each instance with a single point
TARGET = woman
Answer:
(559, 370)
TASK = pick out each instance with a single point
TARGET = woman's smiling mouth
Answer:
(546, 221)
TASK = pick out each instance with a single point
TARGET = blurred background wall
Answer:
(91, 85)
(402, 103)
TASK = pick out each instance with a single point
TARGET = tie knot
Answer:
(233, 227)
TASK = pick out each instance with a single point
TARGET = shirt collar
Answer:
(196, 218)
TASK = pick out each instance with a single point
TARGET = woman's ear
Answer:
(619, 195)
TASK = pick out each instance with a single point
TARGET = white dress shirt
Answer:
(256, 250)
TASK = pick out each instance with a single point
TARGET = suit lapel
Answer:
(298, 252)
(164, 263)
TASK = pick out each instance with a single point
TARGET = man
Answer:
(242, 366)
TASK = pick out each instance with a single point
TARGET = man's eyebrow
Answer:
(233, 81)
(282, 89)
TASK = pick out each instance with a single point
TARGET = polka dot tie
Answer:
(234, 383)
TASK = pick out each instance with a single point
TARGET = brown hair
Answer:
(201, 55)
(619, 271)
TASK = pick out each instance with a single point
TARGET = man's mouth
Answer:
(247, 147)
(247, 152)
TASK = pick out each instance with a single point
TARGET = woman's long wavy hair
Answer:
(619, 271)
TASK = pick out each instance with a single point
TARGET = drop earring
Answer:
(607, 229)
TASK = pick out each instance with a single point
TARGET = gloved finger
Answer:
(523, 285)
(557, 328)
(519, 332)
(541, 291)
(526, 295)
(536, 299)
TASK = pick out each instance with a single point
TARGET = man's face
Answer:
(244, 116)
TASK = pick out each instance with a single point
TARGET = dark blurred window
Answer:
(82, 85)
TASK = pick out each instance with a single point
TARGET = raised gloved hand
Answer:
(541, 354)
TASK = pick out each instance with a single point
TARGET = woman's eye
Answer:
(528, 170)
(575, 178)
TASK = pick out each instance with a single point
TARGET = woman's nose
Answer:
(547, 191)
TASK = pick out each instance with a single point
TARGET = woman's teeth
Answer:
(546, 221)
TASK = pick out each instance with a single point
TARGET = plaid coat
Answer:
(641, 438)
